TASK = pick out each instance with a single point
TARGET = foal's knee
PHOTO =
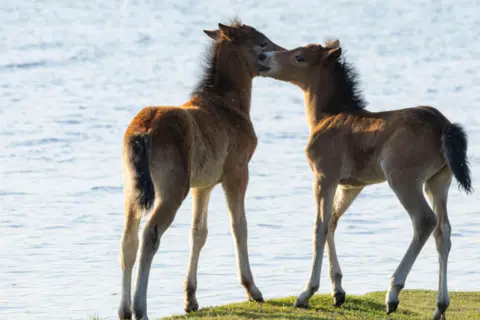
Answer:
(199, 235)
(239, 227)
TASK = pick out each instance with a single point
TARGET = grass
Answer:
(414, 304)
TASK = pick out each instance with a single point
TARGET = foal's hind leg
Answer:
(171, 188)
(162, 217)
(128, 255)
(410, 194)
(343, 199)
(437, 191)
(198, 237)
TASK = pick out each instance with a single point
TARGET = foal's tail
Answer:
(139, 154)
(454, 145)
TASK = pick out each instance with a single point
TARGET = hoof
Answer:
(301, 304)
(191, 306)
(392, 307)
(438, 316)
(139, 314)
(254, 295)
(257, 299)
(302, 300)
(339, 298)
(124, 314)
(439, 313)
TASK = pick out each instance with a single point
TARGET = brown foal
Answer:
(169, 150)
(350, 148)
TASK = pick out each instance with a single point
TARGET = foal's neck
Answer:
(317, 102)
(233, 81)
(332, 92)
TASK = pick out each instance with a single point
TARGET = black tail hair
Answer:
(454, 144)
(140, 153)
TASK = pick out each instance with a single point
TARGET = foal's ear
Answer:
(332, 44)
(231, 33)
(332, 54)
(212, 33)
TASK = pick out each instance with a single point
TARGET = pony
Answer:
(170, 150)
(350, 148)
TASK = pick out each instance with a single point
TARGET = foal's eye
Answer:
(300, 58)
(264, 45)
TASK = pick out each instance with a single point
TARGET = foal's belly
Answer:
(371, 174)
(359, 183)
(207, 173)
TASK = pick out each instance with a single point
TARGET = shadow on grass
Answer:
(267, 314)
(367, 305)
(353, 306)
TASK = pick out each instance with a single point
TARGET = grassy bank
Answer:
(413, 305)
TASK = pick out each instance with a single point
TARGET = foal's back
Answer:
(370, 143)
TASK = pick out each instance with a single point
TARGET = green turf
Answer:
(414, 304)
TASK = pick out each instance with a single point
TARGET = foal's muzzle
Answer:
(262, 67)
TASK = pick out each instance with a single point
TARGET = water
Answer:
(72, 76)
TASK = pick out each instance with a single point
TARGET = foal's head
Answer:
(320, 72)
(241, 43)
(303, 66)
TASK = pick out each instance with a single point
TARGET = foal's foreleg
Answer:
(198, 237)
(437, 191)
(423, 220)
(235, 186)
(343, 199)
(324, 190)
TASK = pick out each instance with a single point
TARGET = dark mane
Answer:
(209, 83)
(209, 66)
(348, 95)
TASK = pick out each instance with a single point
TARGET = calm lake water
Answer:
(72, 76)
